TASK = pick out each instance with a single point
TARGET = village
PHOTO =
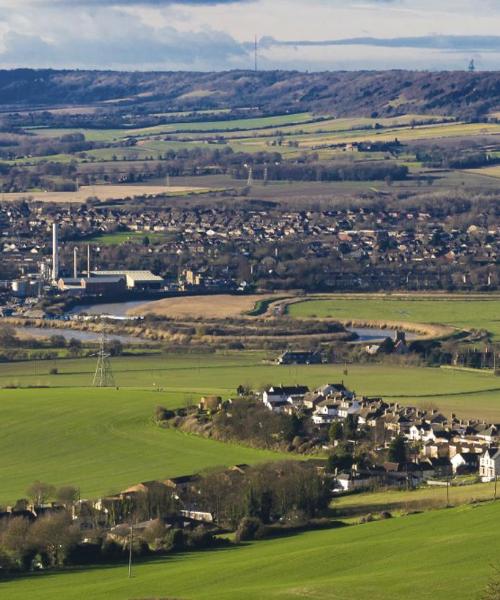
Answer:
(220, 248)
(352, 443)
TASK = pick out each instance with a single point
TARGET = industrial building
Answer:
(135, 280)
(94, 286)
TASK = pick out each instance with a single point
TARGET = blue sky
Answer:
(216, 35)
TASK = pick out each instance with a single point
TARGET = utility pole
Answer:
(88, 261)
(256, 51)
(130, 551)
(448, 492)
(495, 492)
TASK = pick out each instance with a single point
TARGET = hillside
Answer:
(447, 554)
(363, 93)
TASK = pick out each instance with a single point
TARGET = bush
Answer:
(163, 414)
(248, 529)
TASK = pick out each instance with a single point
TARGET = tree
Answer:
(336, 431)
(74, 346)
(15, 540)
(398, 452)
(67, 495)
(39, 492)
(8, 336)
(350, 427)
(115, 347)
(57, 341)
(54, 537)
(340, 460)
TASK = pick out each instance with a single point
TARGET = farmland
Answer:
(474, 312)
(446, 554)
(104, 192)
(402, 501)
(108, 437)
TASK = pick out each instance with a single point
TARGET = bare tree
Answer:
(39, 492)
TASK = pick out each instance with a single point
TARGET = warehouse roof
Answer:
(134, 275)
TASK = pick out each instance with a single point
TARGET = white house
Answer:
(467, 462)
(325, 412)
(275, 397)
(489, 464)
(349, 407)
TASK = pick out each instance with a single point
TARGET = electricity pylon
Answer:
(103, 376)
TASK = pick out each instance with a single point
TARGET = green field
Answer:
(472, 313)
(424, 498)
(203, 126)
(104, 440)
(99, 440)
(122, 237)
(445, 554)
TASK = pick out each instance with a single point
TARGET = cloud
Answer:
(473, 43)
(104, 3)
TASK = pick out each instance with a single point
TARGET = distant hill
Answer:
(364, 93)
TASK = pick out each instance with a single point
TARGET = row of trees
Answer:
(270, 492)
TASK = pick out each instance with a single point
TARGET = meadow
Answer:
(472, 312)
(404, 501)
(446, 554)
(66, 432)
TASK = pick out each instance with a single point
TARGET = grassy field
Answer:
(440, 554)
(467, 313)
(122, 237)
(103, 192)
(100, 440)
(104, 440)
(207, 307)
(202, 126)
(423, 498)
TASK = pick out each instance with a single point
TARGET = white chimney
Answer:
(55, 253)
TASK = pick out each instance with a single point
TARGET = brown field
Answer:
(209, 307)
(104, 192)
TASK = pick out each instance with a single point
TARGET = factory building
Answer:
(135, 280)
(94, 286)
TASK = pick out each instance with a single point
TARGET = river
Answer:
(120, 309)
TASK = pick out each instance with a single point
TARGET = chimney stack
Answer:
(75, 262)
(55, 252)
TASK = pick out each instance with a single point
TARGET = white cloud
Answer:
(205, 34)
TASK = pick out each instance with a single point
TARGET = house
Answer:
(349, 482)
(183, 484)
(276, 396)
(300, 358)
(349, 407)
(335, 389)
(467, 462)
(488, 433)
(325, 412)
(489, 465)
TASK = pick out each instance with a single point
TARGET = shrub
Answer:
(248, 529)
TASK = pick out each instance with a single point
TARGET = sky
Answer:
(214, 35)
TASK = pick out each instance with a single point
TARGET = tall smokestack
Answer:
(55, 252)
(75, 262)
